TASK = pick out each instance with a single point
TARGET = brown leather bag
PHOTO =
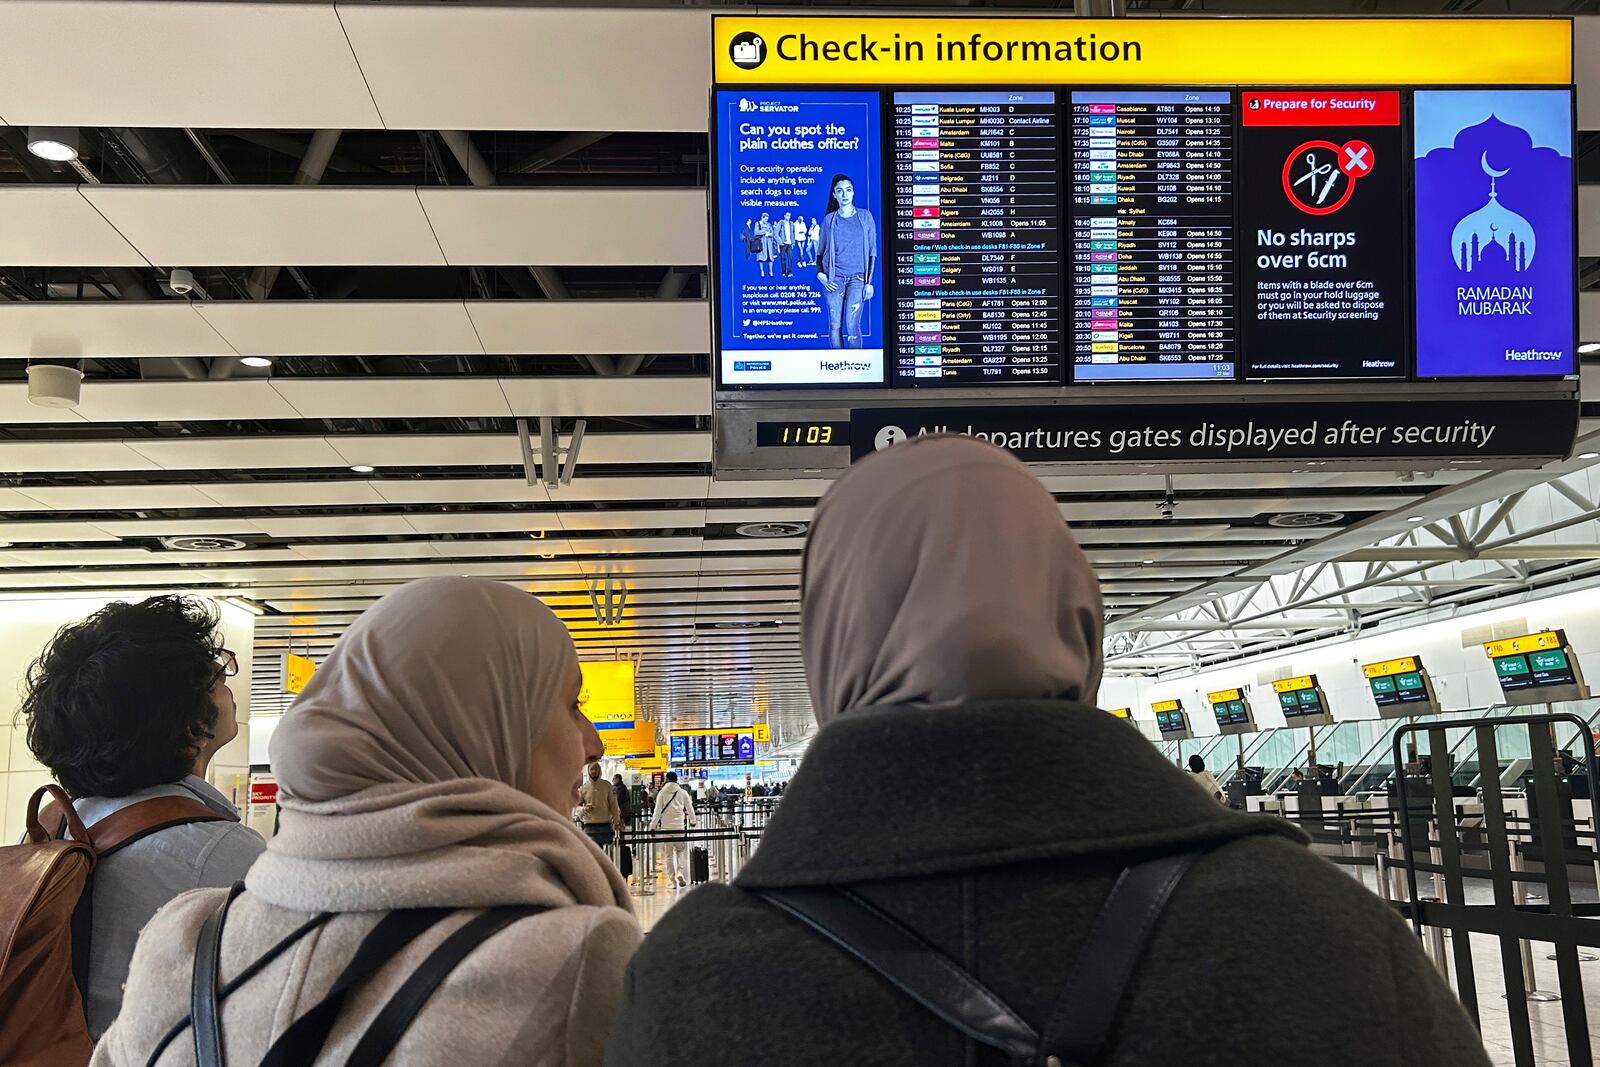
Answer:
(44, 897)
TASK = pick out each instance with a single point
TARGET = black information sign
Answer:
(1175, 433)
(977, 238)
(1322, 224)
(1151, 188)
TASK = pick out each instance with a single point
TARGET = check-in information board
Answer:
(1023, 208)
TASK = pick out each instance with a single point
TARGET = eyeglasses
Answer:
(227, 665)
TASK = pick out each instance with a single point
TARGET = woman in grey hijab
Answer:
(951, 631)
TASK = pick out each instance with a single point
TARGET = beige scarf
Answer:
(402, 766)
(940, 572)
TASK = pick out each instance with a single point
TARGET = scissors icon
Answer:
(1315, 171)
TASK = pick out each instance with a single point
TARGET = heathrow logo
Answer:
(747, 50)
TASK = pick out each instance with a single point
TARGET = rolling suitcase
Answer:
(625, 860)
(699, 866)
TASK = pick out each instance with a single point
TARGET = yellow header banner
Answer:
(1404, 665)
(1530, 643)
(717, 732)
(1290, 685)
(1167, 705)
(891, 51)
(1122, 713)
(636, 740)
(1222, 696)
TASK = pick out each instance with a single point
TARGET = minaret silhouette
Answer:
(1477, 256)
(1511, 248)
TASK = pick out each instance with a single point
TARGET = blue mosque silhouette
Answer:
(1493, 239)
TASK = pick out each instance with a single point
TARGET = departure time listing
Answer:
(977, 238)
(1151, 187)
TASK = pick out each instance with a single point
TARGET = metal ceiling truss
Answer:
(1534, 537)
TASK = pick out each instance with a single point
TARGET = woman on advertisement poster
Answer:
(846, 256)
(769, 246)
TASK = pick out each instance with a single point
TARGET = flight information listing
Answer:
(976, 234)
(1151, 186)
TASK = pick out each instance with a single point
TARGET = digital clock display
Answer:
(802, 434)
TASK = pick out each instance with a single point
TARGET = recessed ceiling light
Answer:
(362, 468)
(1587, 348)
(1146, 618)
(1147, 562)
(257, 361)
(59, 144)
(1589, 455)
(1416, 518)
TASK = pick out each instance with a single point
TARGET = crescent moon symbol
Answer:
(1483, 161)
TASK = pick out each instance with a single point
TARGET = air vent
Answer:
(771, 529)
(202, 544)
(1306, 518)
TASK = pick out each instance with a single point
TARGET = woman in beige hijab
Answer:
(965, 810)
(429, 764)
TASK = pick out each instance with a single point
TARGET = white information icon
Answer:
(889, 435)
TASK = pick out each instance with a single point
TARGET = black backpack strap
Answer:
(910, 964)
(1086, 1010)
(203, 984)
(385, 1031)
(1083, 1015)
(240, 979)
(302, 1042)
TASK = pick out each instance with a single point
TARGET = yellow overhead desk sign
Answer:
(1222, 696)
(608, 690)
(1404, 665)
(1122, 713)
(297, 672)
(1530, 643)
(636, 740)
(1290, 685)
(1167, 705)
(866, 50)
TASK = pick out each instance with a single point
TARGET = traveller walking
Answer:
(602, 819)
(674, 813)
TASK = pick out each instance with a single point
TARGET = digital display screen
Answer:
(1152, 199)
(1551, 667)
(1513, 672)
(802, 434)
(799, 256)
(1321, 200)
(1492, 195)
(1230, 712)
(1169, 721)
(712, 749)
(1411, 687)
(977, 238)
(1290, 703)
(1407, 688)
(1310, 702)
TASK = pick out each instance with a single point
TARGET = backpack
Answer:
(1085, 1012)
(46, 915)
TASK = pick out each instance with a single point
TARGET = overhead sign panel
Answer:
(607, 696)
(1493, 197)
(1031, 51)
(1175, 433)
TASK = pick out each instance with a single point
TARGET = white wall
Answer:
(25, 627)
(1462, 677)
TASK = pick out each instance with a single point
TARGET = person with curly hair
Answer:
(126, 706)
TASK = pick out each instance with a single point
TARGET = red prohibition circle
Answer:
(1288, 187)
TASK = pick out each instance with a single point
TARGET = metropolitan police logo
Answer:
(747, 50)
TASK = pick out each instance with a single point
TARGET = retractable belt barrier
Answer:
(1430, 831)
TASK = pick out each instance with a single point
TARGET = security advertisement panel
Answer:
(1322, 221)
(799, 221)
(1493, 202)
